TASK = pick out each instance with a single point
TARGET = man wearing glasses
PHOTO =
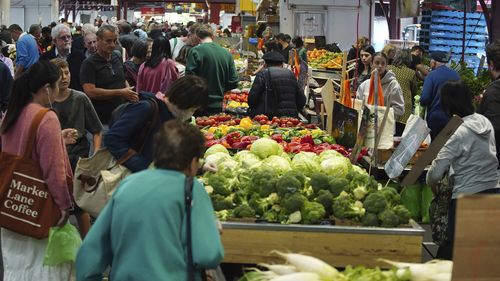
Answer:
(61, 35)
(103, 78)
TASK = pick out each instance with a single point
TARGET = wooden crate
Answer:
(337, 245)
(385, 154)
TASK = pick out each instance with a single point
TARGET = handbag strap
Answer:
(144, 133)
(150, 124)
(188, 198)
(32, 132)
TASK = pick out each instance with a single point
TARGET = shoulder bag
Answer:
(97, 177)
(26, 207)
(438, 211)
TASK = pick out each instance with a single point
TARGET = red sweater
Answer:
(156, 79)
(49, 151)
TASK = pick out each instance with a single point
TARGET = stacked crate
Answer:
(442, 30)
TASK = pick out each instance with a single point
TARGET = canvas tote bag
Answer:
(26, 207)
(97, 177)
(385, 117)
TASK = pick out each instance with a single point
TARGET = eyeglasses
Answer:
(65, 37)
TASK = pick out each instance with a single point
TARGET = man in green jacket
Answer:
(214, 63)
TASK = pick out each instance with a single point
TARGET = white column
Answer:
(55, 11)
(5, 12)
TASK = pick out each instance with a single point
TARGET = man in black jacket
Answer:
(61, 35)
(275, 91)
(490, 104)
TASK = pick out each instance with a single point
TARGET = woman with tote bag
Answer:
(32, 91)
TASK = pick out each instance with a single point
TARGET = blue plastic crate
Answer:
(456, 35)
(456, 28)
(451, 14)
(452, 21)
(456, 43)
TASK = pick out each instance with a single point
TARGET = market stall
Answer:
(339, 246)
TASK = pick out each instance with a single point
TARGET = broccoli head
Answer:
(319, 182)
(370, 219)
(337, 185)
(264, 181)
(298, 175)
(391, 195)
(325, 198)
(345, 207)
(288, 185)
(243, 211)
(222, 203)
(360, 192)
(220, 183)
(375, 202)
(261, 205)
(403, 214)
(223, 215)
(388, 218)
(312, 212)
(270, 216)
(293, 202)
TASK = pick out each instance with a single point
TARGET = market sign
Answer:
(152, 11)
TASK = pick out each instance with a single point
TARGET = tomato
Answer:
(263, 122)
(210, 122)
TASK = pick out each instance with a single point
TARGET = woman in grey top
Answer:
(469, 155)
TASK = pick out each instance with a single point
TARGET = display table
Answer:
(337, 245)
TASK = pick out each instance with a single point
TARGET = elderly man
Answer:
(27, 52)
(61, 34)
(102, 75)
(78, 42)
(431, 96)
(90, 40)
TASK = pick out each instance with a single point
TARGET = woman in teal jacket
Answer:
(141, 233)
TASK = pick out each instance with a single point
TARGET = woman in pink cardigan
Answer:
(23, 255)
(159, 71)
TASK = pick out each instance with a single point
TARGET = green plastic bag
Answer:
(411, 198)
(63, 245)
(427, 197)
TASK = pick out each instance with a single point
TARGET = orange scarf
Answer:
(346, 96)
(371, 96)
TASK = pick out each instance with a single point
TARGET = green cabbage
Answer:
(215, 148)
(306, 162)
(278, 163)
(222, 161)
(360, 170)
(327, 154)
(337, 167)
(247, 159)
(265, 147)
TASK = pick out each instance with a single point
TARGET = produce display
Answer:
(308, 268)
(236, 101)
(265, 183)
(324, 59)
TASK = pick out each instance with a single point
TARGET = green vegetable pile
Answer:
(266, 184)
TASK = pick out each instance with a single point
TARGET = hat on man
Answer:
(273, 56)
(440, 57)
